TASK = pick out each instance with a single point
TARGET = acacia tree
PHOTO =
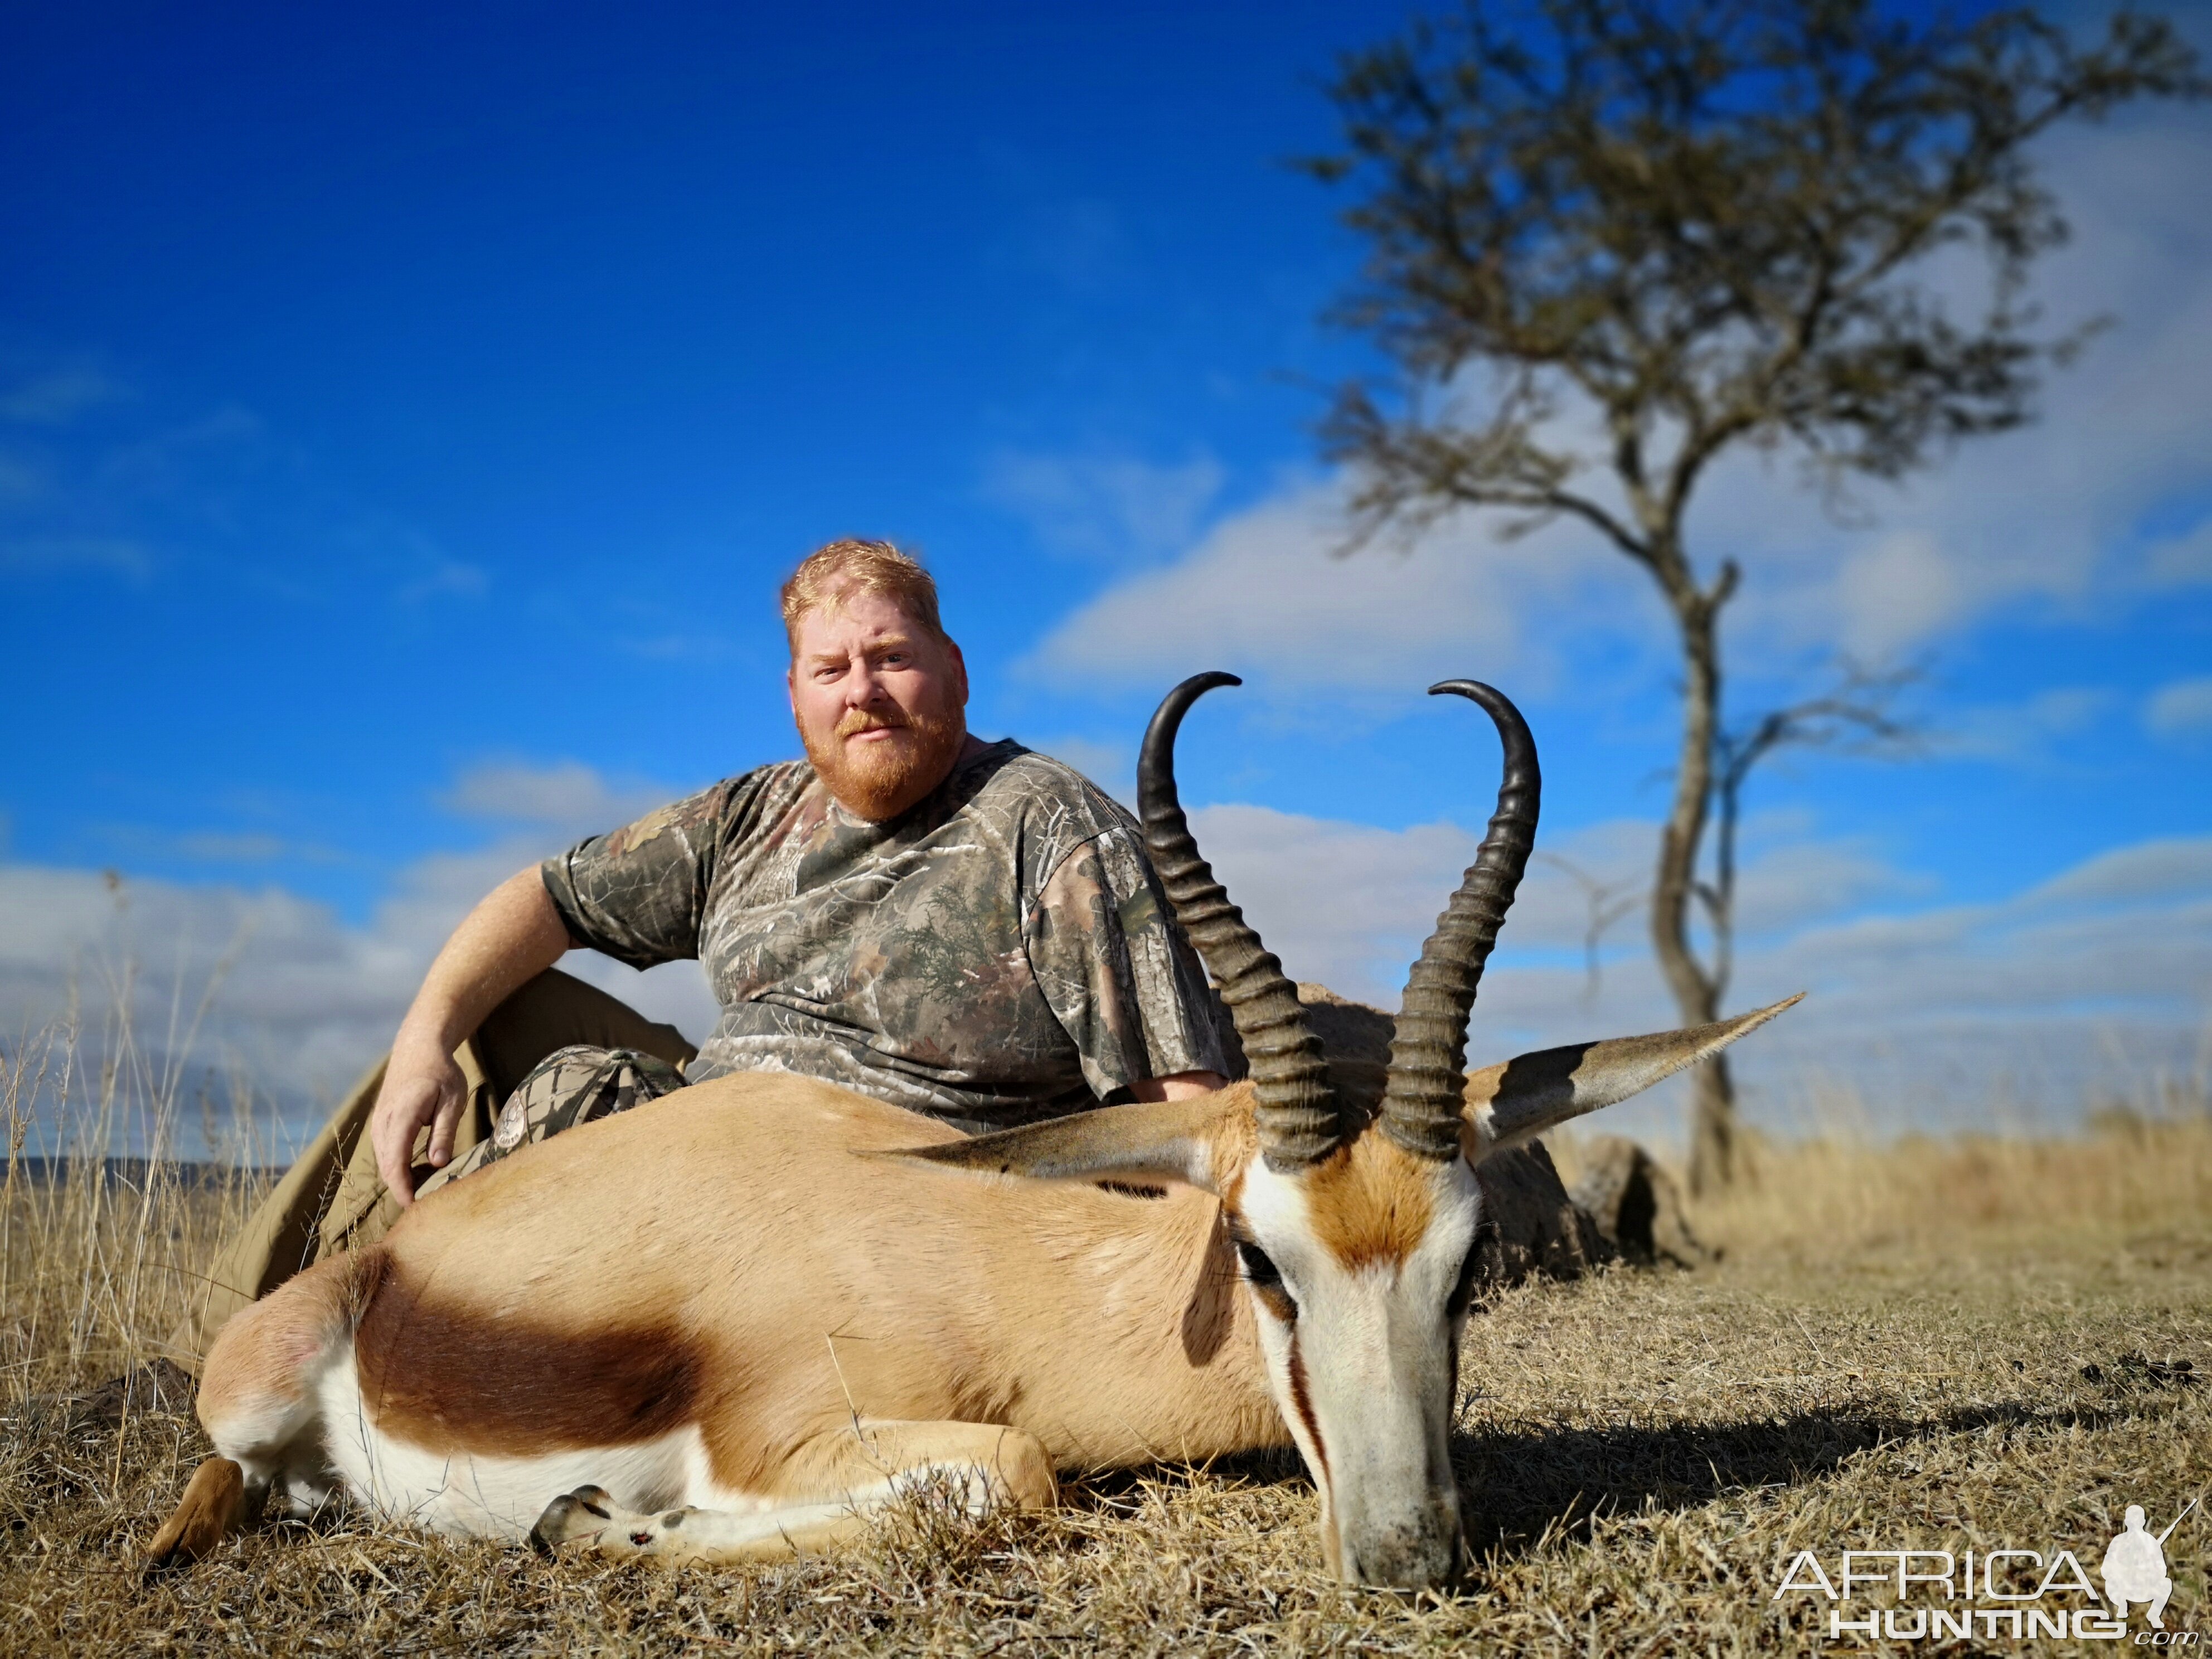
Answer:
(1609, 240)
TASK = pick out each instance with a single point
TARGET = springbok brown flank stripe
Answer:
(451, 1379)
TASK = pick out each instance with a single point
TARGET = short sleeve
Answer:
(1116, 970)
(639, 894)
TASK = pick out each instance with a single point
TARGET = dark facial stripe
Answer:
(1302, 1402)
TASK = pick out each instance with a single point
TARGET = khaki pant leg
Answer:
(333, 1199)
(555, 1011)
(283, 1236)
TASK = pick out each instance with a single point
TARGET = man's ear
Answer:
(1509, 1104)
(1183, 1141)
(959, 669)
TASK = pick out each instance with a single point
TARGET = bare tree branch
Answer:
(1707, 223)
(1608, 902)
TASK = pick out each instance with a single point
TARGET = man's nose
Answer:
(865, 686)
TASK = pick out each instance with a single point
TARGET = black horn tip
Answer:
(1155, 761)
(1499, 705)
(1512, 730)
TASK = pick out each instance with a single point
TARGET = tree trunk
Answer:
(1712, 1128)
(1712, 1134)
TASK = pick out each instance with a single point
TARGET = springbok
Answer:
(752, 1312)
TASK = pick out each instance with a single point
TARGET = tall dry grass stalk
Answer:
(104, 1232)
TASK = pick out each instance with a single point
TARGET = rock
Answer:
(1635, 1205)
(1530, 1226)
(157, 1386)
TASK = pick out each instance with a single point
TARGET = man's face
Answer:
(880, 704)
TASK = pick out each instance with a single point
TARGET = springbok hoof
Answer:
(582, 1513)
(213, 1500)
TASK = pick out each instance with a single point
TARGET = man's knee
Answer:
(557, 1010)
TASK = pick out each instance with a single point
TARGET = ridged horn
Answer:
(1298, 1118)
(1421, 1104)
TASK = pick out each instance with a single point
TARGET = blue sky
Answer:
(406, 414)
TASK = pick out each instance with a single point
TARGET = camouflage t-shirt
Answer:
(1000, 953)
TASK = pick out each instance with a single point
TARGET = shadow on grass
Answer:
(1520, 1486)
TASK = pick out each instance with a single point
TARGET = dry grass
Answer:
(1922, 1344)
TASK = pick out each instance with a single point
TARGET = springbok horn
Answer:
(1421, 1103)
(1297, 1117)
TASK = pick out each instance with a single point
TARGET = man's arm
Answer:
(508, 939)
(1181, 1085)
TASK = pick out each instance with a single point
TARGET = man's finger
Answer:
(441, 1131)
(392, 1163)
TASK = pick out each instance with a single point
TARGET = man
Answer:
(963, 928)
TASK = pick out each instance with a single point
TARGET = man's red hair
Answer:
(835, 572)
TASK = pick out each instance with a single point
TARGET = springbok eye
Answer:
(1463, 1287)
(1259, 1267)
(1265, 1279)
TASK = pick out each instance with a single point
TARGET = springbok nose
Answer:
(1414, 1554)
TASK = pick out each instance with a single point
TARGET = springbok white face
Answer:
(1355, 1233)
(1360, 1271)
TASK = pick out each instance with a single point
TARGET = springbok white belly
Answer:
(482, 1495)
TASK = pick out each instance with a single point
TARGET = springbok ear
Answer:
(1514, 1103)
(1152, 1140)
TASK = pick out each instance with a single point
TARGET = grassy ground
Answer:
(1940, 1343)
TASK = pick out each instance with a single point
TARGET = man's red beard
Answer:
(880, 780)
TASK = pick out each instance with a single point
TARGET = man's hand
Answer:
(512, 936)
(422, 1085)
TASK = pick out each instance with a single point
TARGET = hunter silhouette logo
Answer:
(2005, 1594)
(2135, 1566)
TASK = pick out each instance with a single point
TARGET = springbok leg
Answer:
(214, 1500)
(831, 1487)
(257, 1402)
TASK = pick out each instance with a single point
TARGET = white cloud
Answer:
(1103, 506)
(2147, 871)
(2096, 980)
(2181, 560)
(1348, 904)
(2029, 732)
(2047, 517)
(567, 795)
(1270, 592)
(2182, 708)
(119, 555)
(1896, 592)
(57, 396)
(303, 1000)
